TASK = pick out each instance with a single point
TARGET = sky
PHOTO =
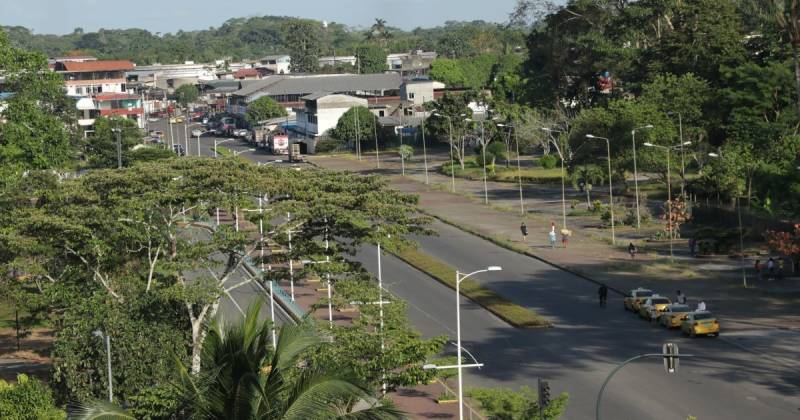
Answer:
(62, 16)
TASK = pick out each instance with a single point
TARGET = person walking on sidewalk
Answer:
(564, 238)
(524, 230)
(552, 238)
(770, 268)
(602, 294)
(632, 250)
(757, 267)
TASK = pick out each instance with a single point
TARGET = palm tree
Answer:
(243, 378)
(379, 32)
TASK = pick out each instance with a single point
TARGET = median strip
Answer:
(503, 308)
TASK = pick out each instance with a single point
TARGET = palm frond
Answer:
(101, 410)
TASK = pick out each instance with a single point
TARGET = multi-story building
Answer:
(277, 64)
(86, 78)
(321, 112)
(412, 64)
(110, 105)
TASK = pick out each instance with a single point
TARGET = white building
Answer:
(323, 110)
(277, 64)
(334, 60)
(163, 76)
(86, 78)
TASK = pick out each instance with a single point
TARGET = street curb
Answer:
(278, 298)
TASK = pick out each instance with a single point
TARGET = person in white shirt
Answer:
(701, 306)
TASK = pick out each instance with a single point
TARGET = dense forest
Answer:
(251, 38)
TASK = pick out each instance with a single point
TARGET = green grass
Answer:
(505, 309)
(505, 174)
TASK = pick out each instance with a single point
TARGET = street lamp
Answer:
(452, 164)
(562, 153)
(636, 173)
(186, 128)
(118, 132)
(483, 149)
(107, 338)
(610, 188)
(424, 146)
(669, 192)
(459, 279)
(519, 166)
(216, 142)
(239, 152)
(741, 234)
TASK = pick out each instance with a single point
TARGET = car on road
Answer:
(653, 307)
(672, 317)
(635, 297)
(177, 120)
(700, 323)
(241, 132)
(197, 133)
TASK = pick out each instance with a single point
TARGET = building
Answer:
(321, 112)
(246, 74)
(171, 76)
(337, 60)
(86, 78)
(277, 64)
(290, 89)
(109, 105)
(417, 92)
(413, 64)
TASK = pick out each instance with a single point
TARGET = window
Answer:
(411, 95)
(79, 91)
(381, 113)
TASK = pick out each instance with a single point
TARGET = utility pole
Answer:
(119, 146)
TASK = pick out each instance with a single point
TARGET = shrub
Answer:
(597, 205)
(502, 403)
(327, 146)
(406, 152)
(28, 399)
(548, 161)
(573, 203)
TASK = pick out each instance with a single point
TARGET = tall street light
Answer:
(118, 132)
(424, 146)
(107, 338)
(636, 173)
(562, 154)
(239, 152)
(669, 193)
(216, 142)
(683, 165)
(610, 187)
(519, 166)
(377, 149)
(452, 164)
(459, 279)
(185, 129)
(741, 234)
(483, 149)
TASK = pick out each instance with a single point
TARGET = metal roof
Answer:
(333, 83)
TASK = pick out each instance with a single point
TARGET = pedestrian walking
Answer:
(564, 238)
(680, 298)
(632, 250)
(602, 294)
(552, 238)
(524, 230)
(757, 267)
(770, 268)
(701, 306)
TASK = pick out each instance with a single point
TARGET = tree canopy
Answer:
(264, 108)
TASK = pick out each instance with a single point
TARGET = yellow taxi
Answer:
(672, 317)
(700, 323)
(653, 306)
(176, 120)
(635, 297)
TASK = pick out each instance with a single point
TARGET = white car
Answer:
(197, 133)
(240, 132)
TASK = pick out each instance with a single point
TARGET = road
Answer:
(725, 379)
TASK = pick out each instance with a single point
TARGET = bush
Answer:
(507, 404)
(573, 203)
(597, 206)
(406, 152)
(28, 399)
(548, 161)
(327, 146)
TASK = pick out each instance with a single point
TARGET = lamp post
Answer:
(452, 164)
(239, 152)
(741, 231)
(483, 151)
(424, 146)
(669, 193)
(519, 167)
(402, 128)
(118, 132)
(459, 279)
(107, 338)
(377, 149)
(683, 165)
(562, 154)
(610, 187)
(216, 142)
(636, 174)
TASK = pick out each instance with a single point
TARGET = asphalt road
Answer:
(723, 381)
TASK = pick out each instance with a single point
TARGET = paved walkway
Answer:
(589, 252)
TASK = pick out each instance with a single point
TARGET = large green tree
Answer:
(264, 108)
(304, 41)
(101, 145)
(371, 59)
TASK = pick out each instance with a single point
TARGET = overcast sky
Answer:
(62, 16)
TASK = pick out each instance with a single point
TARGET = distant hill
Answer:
(251, 38)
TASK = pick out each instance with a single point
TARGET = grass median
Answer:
(506, 310)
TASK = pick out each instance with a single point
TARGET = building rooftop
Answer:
(111, 96)
(241, 73)
(333, 83)
(90, 66)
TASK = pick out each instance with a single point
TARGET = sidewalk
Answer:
(589, 253)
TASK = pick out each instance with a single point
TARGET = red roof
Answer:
(99, 65)
(242, 73)
(111, 96)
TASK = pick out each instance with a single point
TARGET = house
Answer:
(412, 64)
(337, 60)
(417, 91)
(85, 78)
(246, 74)
(321, 112)
(277, 64)
(170, 76)
(109, 104)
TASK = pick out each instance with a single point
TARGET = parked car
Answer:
(635, 297)
(673, 315)
(653, 307)
(700, 323)
(241, 132)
